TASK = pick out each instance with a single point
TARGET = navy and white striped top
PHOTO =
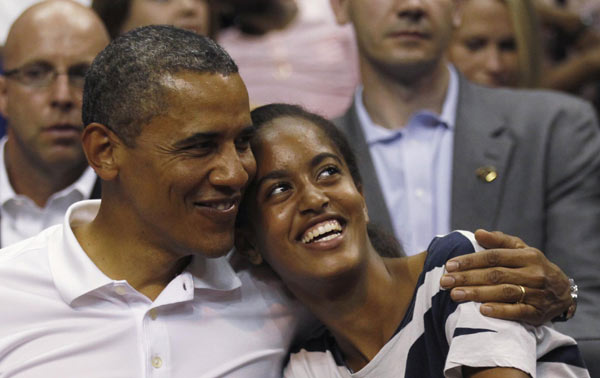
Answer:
(438, 336)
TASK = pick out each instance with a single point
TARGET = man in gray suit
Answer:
(439, 153)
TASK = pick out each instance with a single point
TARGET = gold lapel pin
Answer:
(487, 173)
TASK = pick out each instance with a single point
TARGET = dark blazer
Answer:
(545, 148)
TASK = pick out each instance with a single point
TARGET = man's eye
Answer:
(198, 148)
(243, 143)
(36, 72)
(79, 71)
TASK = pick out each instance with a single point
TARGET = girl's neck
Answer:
(364, 311)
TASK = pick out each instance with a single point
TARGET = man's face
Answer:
(188, 168)
(44, 121)
(186, 14)
(399, 34)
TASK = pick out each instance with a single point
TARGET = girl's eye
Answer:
(475, 44)
(328, 171)
(277, 189)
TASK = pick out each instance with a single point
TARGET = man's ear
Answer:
(245, 245)
(340, 10)
(101, 146)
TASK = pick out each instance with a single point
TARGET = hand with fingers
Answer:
(513, 280)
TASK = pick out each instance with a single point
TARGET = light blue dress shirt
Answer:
(414, 167)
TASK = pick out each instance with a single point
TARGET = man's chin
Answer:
(215, 249)
(62, 156)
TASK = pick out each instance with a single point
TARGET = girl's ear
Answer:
(245, 245)
(366, 212)
(364, 205)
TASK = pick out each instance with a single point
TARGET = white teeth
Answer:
(322, 228)
(221, 206)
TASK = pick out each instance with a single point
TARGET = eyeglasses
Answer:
(40, 74)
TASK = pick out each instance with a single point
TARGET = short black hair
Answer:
(124, 86)
(384, 243)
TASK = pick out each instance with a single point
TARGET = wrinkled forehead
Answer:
(50, 39)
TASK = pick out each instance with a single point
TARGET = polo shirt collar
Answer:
(84, 185)
(75, 274)
(375, 133)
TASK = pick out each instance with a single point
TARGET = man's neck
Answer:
(121, 253)
(391, 101)
(35, 180)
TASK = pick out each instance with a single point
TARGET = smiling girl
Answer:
(385, 317)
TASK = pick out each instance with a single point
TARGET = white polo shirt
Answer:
(62, 317)
(21, 218)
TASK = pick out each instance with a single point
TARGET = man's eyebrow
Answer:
(196, 138)
(36, 62)
(248, 130)
(202, 137)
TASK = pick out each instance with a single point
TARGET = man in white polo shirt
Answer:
(42, 167)
(137, 285)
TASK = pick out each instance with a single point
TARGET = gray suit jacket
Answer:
(545, 148)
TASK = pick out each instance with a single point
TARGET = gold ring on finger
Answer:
(522, 294)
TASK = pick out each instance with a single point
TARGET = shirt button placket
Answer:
(158, 345)
(157, 362)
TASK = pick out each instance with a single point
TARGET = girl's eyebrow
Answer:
(282, 173)
(322, 156)
(273, 175)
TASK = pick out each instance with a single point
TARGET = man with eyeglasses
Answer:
(43, 169)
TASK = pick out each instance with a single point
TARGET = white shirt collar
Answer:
(374, 132)
(84, 185)
(6, 190)
(75, 274)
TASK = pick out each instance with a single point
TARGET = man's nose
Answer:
(63, 95)
(188, 6)
(410, 9)
(230, 170)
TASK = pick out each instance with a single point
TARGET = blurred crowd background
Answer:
(294, 51)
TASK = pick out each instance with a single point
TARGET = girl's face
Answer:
(308, 218)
